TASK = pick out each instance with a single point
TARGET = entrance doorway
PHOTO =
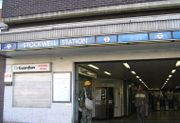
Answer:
(114, 86)
(104, 103)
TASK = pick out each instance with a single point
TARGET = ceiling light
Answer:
(177, 63)
(126, 65)
(107, 73)
(140, 80)
(137, 77)
(93, 66)
(177, 87)
(167, 79)
(146, 86)
(173, 71)
(133, 72)
(170, 76)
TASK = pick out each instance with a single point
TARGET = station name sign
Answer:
(77, 41)
(93, 40)
(38, 44)
(43, 67)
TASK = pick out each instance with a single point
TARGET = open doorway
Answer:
(114, 83)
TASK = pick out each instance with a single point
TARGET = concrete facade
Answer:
(26, 25)
(60, 112)
(92, 28)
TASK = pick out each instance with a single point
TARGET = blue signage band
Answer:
(109, 39)
(38, 44)
(126, 38)
(176, 35)
(8, 46)
(160, 36)
(93, 40)
(77, 41)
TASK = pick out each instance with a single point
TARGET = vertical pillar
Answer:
(2, 69)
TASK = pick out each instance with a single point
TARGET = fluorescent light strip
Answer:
(137, 77)
(164, 84)
(126, 65)
(173, 71)
(146, 85)
(93, 66)
(107, 73)
(177, 63)
(133, 72)
(170, 76)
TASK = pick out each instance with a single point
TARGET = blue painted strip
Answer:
(38, 44)
(77, 41)
(8, 46)
(109, 39)
(160, 36)
(176, 35)
(106, 39)
(125, 38)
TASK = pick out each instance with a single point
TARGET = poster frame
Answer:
(69, 100)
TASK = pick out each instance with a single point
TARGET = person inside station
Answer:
(85, 113)
(140, 103)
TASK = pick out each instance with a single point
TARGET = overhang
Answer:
(164, 22)
(93, 11)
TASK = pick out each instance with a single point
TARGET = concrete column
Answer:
(2, 69)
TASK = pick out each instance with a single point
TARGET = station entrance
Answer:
(114, 85)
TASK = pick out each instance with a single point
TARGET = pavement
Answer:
(170, 116)
(155, 117)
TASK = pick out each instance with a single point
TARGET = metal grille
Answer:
(117, 28)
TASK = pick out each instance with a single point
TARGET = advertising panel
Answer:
(62, 87)
(32, 67)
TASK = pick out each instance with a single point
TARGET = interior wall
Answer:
(118, 93)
